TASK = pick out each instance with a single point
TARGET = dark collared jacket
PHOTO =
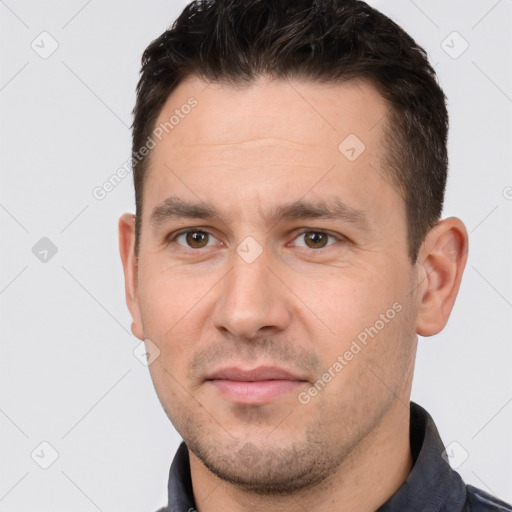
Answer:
(432, 485)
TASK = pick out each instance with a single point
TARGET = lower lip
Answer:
(255, 392)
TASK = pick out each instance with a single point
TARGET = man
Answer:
(289, 168)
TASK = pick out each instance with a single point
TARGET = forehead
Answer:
(271, 108)
(266, 139)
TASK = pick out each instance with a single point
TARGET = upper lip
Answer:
(255, 374)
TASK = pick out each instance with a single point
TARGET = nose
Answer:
(251, 301)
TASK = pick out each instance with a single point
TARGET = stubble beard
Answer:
(274, 468)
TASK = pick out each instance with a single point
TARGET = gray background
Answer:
(67, 369)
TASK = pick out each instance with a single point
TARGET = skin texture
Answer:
(298, 306)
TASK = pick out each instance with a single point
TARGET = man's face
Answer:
(248, 289)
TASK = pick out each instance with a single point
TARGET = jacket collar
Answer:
(432, 485)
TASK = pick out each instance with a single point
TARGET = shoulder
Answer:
(480, 501)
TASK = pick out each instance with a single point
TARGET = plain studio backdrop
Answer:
(69, 376)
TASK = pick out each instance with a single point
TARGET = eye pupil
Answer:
(318, 239)
(196, 238)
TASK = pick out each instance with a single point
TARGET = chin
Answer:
(264, 468)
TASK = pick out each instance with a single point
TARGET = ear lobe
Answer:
(441, 264)
(130, 269)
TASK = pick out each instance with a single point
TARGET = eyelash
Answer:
(173, 236)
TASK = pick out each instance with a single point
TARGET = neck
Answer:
(367, 478)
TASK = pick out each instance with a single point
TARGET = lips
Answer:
(254, 375)
(257, 386)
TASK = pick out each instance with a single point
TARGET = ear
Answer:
(440, 264)
(130, 269)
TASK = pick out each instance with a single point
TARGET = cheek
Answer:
(171, 309)
(367, 336)
(166, 297)
(346, 302)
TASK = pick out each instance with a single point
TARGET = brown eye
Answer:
(316, 239)
(197, 239)
(194, 239)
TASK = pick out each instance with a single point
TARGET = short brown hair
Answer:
(235, 41)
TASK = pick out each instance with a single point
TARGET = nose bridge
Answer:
(251, 297)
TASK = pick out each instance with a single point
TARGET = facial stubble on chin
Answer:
(263, 470)
(267, 469)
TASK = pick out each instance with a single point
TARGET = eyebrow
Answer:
(333, 209)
